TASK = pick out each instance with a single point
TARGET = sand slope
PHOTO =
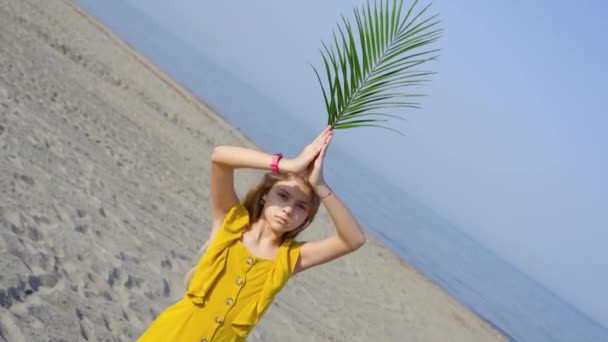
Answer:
(104, 197)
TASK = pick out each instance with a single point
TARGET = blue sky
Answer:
(510, 143)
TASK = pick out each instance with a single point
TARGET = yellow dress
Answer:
(229, 292)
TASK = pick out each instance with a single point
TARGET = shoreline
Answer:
(152, 67)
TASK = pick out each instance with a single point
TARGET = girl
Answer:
(252, 252)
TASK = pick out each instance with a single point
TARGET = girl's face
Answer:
(286, 205)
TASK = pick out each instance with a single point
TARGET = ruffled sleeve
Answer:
(213, 262)
(237, 220)
(294, 255)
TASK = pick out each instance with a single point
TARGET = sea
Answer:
(509, 300)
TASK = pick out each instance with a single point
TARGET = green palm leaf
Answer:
(368, 73)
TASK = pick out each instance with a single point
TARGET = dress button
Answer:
(239, 281)
(204, 340)
(250, 261)
(229, 301)
(219, 320)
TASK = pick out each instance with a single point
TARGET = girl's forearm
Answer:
(347, 227)
(236, 157)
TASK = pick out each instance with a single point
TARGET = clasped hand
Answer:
(309, 162)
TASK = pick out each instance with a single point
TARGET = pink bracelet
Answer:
(274, 165)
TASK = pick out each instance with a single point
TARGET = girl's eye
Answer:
(283, 196)
(302, 207)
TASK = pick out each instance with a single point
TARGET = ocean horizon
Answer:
(504, 296)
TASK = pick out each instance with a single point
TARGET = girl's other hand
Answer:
(315, 169)
(300, 163)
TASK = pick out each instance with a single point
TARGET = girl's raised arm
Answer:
(348, 238)
(349, 235)
(224, 160)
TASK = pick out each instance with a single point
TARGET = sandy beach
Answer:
(104, 203)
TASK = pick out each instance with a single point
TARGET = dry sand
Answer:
(104, 203)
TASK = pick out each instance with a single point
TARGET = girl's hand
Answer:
(301, 163)
(315, 169)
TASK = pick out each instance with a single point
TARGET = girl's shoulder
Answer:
(237, 219)
(290, 254)
(232, 227)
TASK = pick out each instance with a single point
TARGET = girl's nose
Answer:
(287, 209)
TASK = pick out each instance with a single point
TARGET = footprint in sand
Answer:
(82, 221)
(166, 264)
(87, 329)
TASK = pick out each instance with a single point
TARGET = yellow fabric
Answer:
(216, 308)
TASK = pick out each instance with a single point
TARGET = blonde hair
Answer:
(254, 205)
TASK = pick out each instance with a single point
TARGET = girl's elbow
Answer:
(358, 242)
(361, 241)
(219, 155)
(216, 154)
